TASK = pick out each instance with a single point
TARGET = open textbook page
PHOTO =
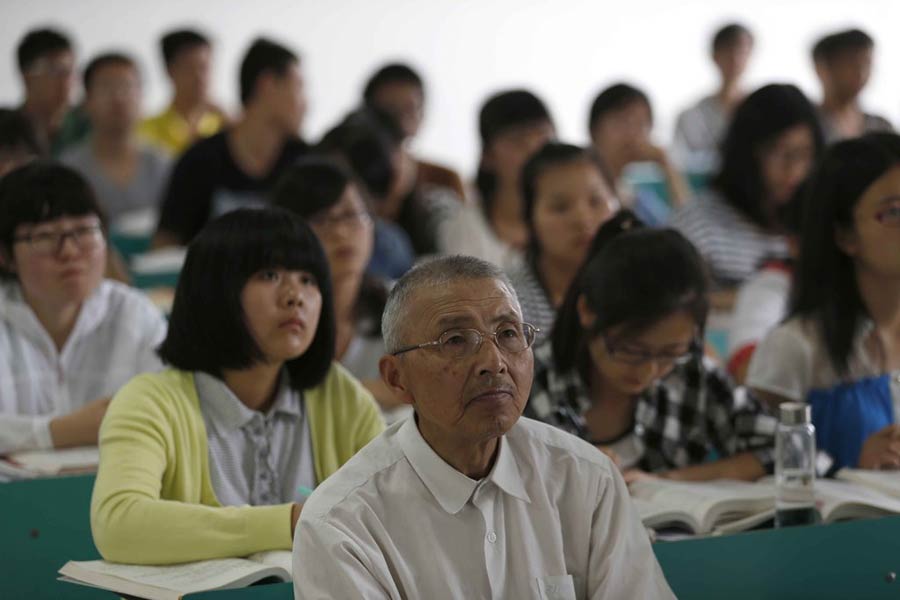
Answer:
(172, 582)
(841, 500)
(701, 507)
(887, 482)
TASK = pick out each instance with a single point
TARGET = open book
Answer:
(172, 582)
(887, 482)
(717, 507)
(702, 507)
(45, 463)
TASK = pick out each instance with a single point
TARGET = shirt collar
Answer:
(449, 487)
(223, 407)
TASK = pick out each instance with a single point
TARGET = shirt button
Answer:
(492, 537)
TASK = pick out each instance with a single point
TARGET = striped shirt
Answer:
(533, 298)
(114, 338)
(256, 458)
(678, 422)
(734, 247)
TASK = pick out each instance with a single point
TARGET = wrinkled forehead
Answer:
(468, 303)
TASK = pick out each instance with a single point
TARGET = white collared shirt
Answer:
(553, 519)
(115, 338)
(256, 458)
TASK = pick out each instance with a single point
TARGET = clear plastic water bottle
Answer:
(795, 467)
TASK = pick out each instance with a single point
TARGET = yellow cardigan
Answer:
(153, 500)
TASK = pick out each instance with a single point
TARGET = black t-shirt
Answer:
(206, 183)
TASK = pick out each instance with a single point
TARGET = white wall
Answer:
(564, 50)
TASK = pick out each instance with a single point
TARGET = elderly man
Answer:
(467, 499)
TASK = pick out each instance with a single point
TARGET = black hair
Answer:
(38, 44)
(105, 60)
(825, 288)
(551, 154)
(634, 276)
(174, 43)
(758, 121)
(836, 44)
(728, 35)
(614, 98)
(312, 186)
(208, 329)
(17, 132)
(40, 191)
(261, 57)
(366, 140)
(391, 73)
(501, 112)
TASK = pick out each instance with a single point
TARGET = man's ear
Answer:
(586, 317)
(392, 375)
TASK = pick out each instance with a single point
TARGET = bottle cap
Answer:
(794, 413)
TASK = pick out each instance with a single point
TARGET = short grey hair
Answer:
(433, 272)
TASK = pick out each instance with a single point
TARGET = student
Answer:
(68, 338)
(699, 129)
(513, 125)
(762, 301)
(566, 199)
(398, 91)
(843, 63)
(252, 410)
(46, 63)
(769, 149)
(126, 174)
(18, 141)
(238, 167)
(191, 115)
(838, 350)
(325, 195)
(368, 144)
(620, 123)
(625, 369)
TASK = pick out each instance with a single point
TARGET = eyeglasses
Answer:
(890, 215)
(354, 219)
(88, 237)
(635, 357)
(511, 338)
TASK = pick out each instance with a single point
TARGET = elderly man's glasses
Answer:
(511, 338)
(87, 237)
(635, 356)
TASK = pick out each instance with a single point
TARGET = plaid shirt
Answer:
(680, 421)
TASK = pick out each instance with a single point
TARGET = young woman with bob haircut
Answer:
(214, 456)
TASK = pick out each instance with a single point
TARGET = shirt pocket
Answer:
(556, 587)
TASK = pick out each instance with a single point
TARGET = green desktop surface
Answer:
(45, 522)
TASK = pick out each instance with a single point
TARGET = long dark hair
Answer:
(552, 154)
(633, 276)
(759, 120)
(310, 187)
(825, 287)
(501, 112)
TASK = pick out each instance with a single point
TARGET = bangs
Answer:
(282, 245)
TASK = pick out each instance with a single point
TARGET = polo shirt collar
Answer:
(223, 407)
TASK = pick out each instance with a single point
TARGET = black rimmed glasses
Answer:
(86, 237)
(509, 337)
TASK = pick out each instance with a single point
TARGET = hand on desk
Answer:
(882, 449)
(80, 427)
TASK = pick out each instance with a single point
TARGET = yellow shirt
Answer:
(171, 132)
(153, 500)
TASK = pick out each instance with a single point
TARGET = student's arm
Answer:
(621, 563)
(745, 467)
(132, 522)
(44, 432)
(80, 427)
(677, 186)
